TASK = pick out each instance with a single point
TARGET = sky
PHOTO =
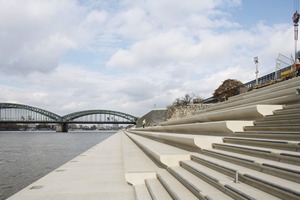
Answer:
(133, 56)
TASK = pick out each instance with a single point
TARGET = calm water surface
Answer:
(27, 156)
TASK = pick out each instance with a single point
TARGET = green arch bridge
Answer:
(22, 114)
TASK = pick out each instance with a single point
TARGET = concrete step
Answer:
(279, 97)
(137, 165)
(281, 116)
(200, 188)
(185, 141)
(269, 143)
(287, 120)
(244, 113)
(141, 192)
(163, 186)
(287, 110)
(157, 190)
(274, 127)
(174, 187)
(278, 86)
(278, 135)
(224, 182)
(295, 105)
(277, 100)
(275, 168)
(205, 128)
(267, 153)
(266, 183)
(165, 155)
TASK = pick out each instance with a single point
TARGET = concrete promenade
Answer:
(97, 173)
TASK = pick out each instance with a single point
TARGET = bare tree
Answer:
(187, 99)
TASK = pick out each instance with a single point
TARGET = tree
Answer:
(187, 98)
(183, 101)
(228, 88)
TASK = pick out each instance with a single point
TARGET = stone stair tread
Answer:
(275, 125)
(174, 186)
(199, 186)
(296, 105)
(270, 132)
(263, 140)
(211, 174)
(157, 190)
(164, 154)
(277, 121)
(282, 135)
(288, 110)
(264, 150)
(193, 141)
(135, 160)
(141, 192)
(137, 165)
(266, 178)
(274, 143)
(275, 182)
(258, 162)
(285, 84)
(249, 191)
(281, 116)
(248, 113)
(287, 95)
(227, 182)
(161, 148)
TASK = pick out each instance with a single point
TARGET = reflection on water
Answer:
(27, 156)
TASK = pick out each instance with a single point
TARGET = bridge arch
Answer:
(76, 115)
(20, 113)
(14, 106)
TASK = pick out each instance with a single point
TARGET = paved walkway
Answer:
(97, 173)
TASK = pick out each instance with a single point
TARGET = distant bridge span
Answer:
(19, 113)
(109, 116)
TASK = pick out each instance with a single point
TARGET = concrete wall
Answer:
(153, 118)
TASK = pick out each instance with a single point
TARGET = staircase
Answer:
(204, 157)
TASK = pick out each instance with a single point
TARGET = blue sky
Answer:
(269, 11)
(129, 55)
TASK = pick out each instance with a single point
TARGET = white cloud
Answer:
(163, 49)
(154, 51)
(35, 34)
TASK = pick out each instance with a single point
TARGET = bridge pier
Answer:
(62, 127)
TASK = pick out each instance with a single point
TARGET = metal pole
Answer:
(296, 20)
(256, 72)
(277, 66)
(296, 39)
(236, 178)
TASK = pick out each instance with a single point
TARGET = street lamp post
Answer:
(256, 72)
(277, 66)
(296, 20)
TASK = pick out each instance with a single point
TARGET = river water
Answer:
(27, 156)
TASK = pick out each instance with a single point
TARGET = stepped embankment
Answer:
(245, 148)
